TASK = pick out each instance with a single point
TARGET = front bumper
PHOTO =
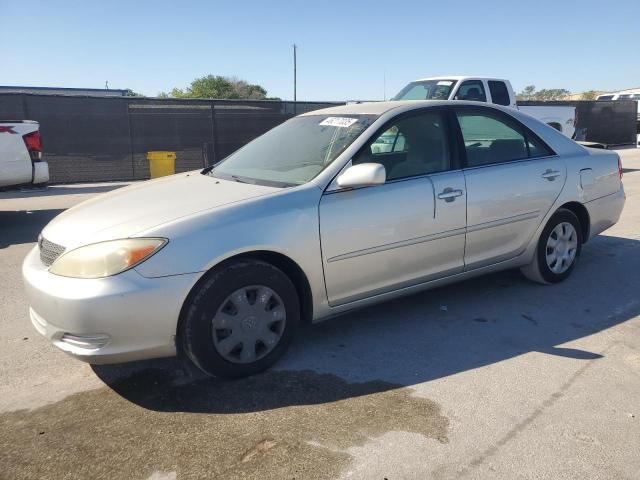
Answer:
(115, 319)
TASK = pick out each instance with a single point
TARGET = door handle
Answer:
(551, 175)
(449, 194)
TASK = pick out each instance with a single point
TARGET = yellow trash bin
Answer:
(161, 163)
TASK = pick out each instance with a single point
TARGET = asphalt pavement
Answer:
(492, 378)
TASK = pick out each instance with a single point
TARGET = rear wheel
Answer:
(558, 249)
(241, 319)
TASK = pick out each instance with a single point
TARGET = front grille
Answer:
(49, 251)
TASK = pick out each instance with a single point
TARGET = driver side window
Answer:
(409, 147)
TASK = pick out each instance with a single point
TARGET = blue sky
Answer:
(346, 48)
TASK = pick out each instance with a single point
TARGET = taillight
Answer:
(34, 145)
(619, 167)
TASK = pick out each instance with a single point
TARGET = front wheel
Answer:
(241, 319)
(558, 249)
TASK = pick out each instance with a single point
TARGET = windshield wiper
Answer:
(239, 179)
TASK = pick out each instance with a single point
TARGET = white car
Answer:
(490, 90)
(310, 220)
(21, 154)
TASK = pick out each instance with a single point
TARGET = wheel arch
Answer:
(580, 211)
(288, 266)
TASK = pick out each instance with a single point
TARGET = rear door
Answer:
(15, 162)
(409, 230)
(512, 177)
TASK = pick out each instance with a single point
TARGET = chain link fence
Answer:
(89, 139)
(612, 123)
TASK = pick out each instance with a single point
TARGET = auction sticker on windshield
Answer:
(342, 122)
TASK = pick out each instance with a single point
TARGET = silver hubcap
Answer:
(249, 324)
(562, 246)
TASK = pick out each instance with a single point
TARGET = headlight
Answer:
(106, 258)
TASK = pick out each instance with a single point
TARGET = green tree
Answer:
(552, 94)
(131, 93)
(527, 93)
(216, 86)
(530, 93)
(589, 95)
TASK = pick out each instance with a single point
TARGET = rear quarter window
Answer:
(499, 93)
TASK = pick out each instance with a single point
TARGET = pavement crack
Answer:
(524, 424)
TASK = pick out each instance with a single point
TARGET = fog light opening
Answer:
(86, 342)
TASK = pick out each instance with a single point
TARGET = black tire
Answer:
(538, 270)
(196, 334)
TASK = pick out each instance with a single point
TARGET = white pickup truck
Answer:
(21, 154)
(490, 90)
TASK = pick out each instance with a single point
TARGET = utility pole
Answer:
(384, 86)
(295, 98)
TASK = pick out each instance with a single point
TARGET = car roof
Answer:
(379, 108)
(460, 77)
(371, 108)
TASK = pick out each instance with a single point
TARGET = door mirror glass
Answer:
(362, 175)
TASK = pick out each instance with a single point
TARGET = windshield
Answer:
(295, 152)
(426, 90)
(629, 96)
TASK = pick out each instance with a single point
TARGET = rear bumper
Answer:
(605, 212)
(40, 172)
(116, 319)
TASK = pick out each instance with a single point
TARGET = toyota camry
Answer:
(330, 211)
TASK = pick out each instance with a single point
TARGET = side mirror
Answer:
(362, 175)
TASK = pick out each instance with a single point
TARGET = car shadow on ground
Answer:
(24, 226)
(413, 340)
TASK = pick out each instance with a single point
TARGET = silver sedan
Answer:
(330, 211)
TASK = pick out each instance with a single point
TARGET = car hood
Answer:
(132, 210)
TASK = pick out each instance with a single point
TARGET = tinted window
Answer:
(537, 148)
(605, 97)
(489, 138)
(409, 147)
(499, 92)
(472, 90)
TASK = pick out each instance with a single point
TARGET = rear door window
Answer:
(499, 92)
(489, 138)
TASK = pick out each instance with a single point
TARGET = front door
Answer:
(410, 229)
